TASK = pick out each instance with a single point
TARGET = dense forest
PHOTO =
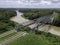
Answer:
(33, 14)
(5, 23)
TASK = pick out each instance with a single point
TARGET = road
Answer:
(7, 33)
(15, 37)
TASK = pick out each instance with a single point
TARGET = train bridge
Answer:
(39, 21)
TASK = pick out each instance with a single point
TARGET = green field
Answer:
(37, 39)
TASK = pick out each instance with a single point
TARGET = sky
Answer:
(29, 3)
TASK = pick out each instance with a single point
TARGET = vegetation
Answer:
(56, 17)
(33, 14)
(5, 23)
(27, 29)
(37, 39)
(5, 15)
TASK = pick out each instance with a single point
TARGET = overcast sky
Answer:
(29, 3)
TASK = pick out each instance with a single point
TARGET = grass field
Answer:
(37, 39)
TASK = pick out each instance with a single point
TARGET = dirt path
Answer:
(15, 37)
(7, 33)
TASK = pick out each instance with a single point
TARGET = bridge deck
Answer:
(39, 22)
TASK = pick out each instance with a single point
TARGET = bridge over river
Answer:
(38, 22)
